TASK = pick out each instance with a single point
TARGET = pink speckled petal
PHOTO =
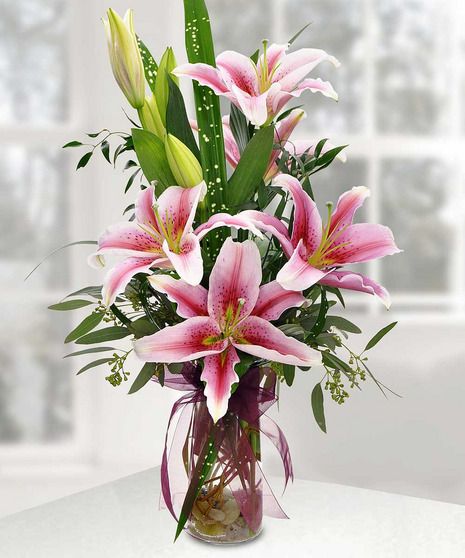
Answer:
(357, 282)
(297, 274)
(204, 74)
(273, 300)
(195, 338)
(315, 86)
(270, 224)
(119, 276)
(307, 220)
(219, 375)
(144, 208)
(239, 221)
(254, 107)
(238, 70)
(191, 300)
(234, 281)
(346, 207)
(188, 261)
(258, 337)
(128, 238)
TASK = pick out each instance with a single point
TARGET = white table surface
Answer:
(122, 520)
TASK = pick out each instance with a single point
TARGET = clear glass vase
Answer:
(229, 504)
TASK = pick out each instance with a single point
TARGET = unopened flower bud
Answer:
(183, 164)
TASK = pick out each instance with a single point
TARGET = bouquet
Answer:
(223, 273)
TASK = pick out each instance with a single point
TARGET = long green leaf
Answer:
(93, 364)
(177, 121)
(94, 291)
(251, 168)
(70, 305)
(239, 127)
(106, 334)
(148, 371)
(199, 48)
(58, 250)
(318, 407)
(150, 151)
(378, 336)
(342, 324)
(88, 324)
(90, 351)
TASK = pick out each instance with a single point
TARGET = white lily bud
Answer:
(125, 58)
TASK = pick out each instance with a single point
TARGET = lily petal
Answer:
(204, 74)
(315, 86)
(119, 276)
(239, 221)
(363, 242)
(195, 338)
(270, 224)
(188, 261)
(273, 300)
(295, 66)
(219, 375)
(144, 209)
(234, 281)
(128, 238)
(346, 207)
(297, 274)
(191, 300)
(274, 54)
(230, 146)
(254, 107)
(357, 282)
(238, 70)
(177, 207)
(258, 337)
(307, 220)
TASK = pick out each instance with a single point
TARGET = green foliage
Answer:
(150, 66)
(318, 407)
(151, 154)
(251, 168)
(102, 335)
(239, 128)
(70, 305)
(377, 338)
(88, 324)
(93, 364)
(148, 371)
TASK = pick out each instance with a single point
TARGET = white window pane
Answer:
(240, 25)
(337, 27)
(33, 215)
(32, 46)
(412, 49)
(35, 383)
(413, 199)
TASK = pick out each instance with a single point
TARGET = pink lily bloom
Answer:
(262, 90)
(316, 252)
(283, 131)
(161, 236)
(234, 313)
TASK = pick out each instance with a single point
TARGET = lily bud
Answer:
(125, 58)
(150, 117)
(167, 65)
(183, 163)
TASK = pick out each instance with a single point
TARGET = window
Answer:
(401, 111)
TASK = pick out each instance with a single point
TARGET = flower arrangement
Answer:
(225, 278)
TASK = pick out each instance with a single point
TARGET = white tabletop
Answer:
(122, 520)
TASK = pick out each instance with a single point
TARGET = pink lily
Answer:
(316, 251)
(161, 236)
(283, 131)
(261, 90)
(234, 313)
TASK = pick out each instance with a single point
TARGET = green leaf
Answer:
(320, 321)
(289, 374)
(199, 47)
(341, 323)
(150, 66)
(145, 375)
(131, 180)
(151, 154)
(73, 144)
(297, 35)
(177, 121)
(93, 364)
(255, 55)
(167, 65)
(88, 324)
(95, 134)
(58, 250)
(318, 407)
(332, 361)
(378, 336)
(84, 160)
(70, 305)
(105, 148)
(89, 351)
(142, 327)
(251, 168)
(239, 128)
(106, 334)
(95, 291)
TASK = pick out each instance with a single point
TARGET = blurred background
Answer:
(402, 110)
